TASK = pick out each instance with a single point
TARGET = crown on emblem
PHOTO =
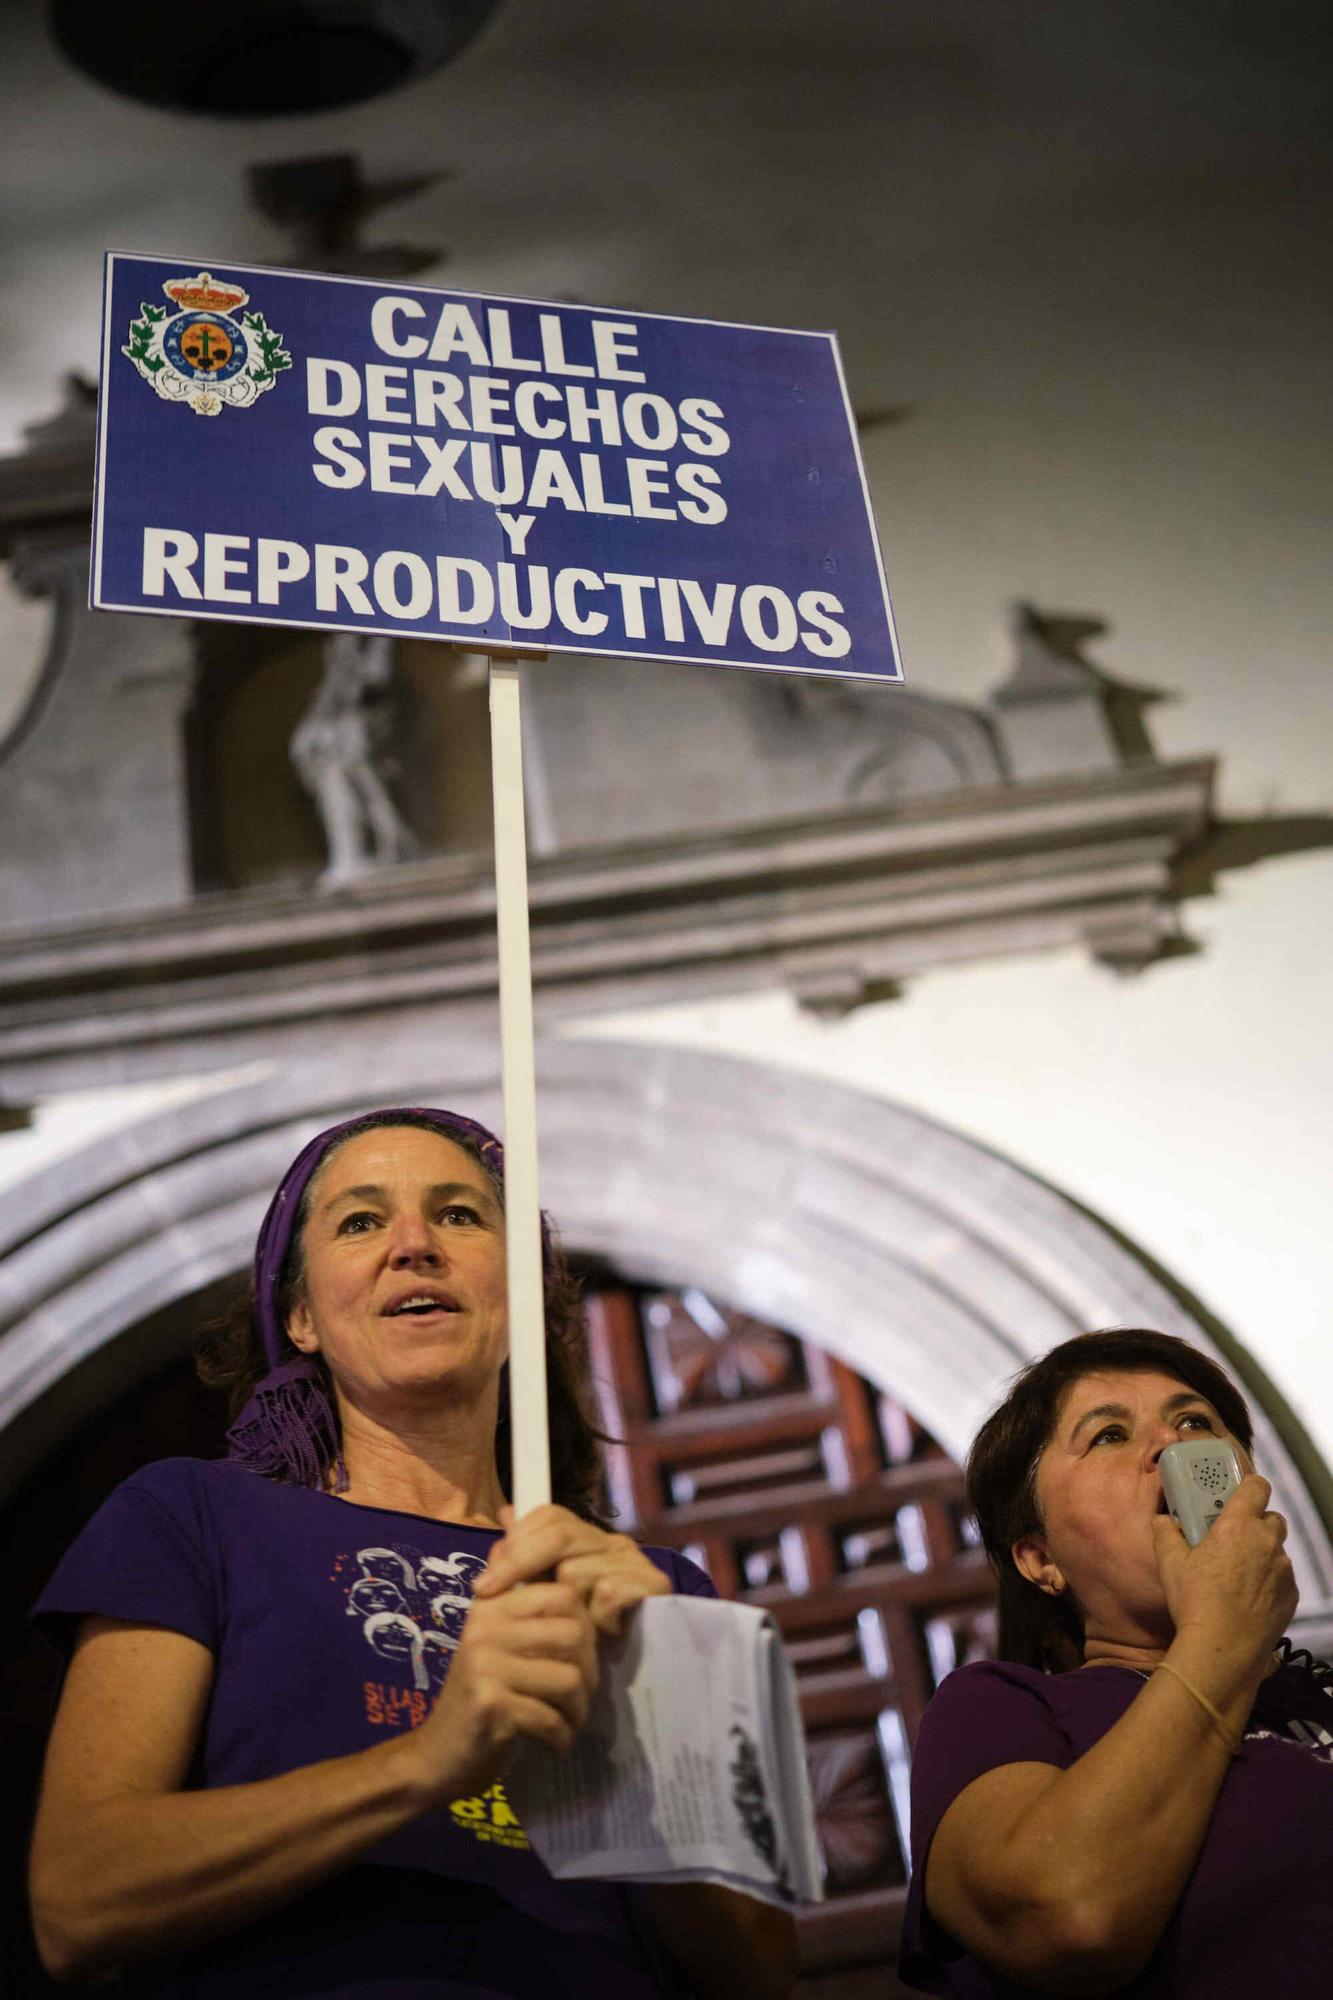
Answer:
(205, 293)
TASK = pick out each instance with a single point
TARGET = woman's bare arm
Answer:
(1065, 1880)
(126, 1865)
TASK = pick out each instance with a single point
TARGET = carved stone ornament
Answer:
(338, 748)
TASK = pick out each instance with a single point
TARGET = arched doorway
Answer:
(801, 1301)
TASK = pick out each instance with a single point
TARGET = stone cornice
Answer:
(838, 908)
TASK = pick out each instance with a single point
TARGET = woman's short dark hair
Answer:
(1034, 1629)
(230, 1352)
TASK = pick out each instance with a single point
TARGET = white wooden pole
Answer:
(528, 1434)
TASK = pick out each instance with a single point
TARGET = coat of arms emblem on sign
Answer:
(208, 352)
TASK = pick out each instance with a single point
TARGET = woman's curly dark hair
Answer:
(1036, 1630)
(229, 1354)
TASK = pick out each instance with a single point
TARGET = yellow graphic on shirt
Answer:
(490, 1817)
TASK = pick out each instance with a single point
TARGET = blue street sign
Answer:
(289, 449)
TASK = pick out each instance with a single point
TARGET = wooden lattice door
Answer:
(800, 1487)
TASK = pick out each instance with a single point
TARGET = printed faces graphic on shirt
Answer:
(412, 1607)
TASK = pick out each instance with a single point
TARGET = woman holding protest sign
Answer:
(298, 1674)
(1137, 1796)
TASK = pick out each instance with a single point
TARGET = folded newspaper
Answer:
(691, 1767)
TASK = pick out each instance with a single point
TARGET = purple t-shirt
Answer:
(1256, 1916)
(332, 1626)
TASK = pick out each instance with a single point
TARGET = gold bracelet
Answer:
(1214, 1715)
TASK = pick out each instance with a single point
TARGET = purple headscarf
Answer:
(288, 1429)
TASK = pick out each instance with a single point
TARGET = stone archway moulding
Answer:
(931, 1265)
